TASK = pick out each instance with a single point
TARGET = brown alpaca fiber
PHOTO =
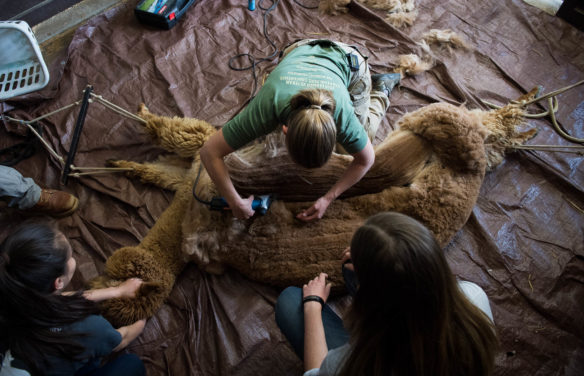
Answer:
(446, 38)
(401, 19)
(412, 64)
(400, 13)
(333, 7)
(431, 168)
(393, 6)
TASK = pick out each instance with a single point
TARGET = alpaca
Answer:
(157, 260)
(431, 168)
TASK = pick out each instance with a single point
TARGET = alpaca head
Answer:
(134, 262)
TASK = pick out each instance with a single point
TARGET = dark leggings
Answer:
(123, 365)
(290, 319)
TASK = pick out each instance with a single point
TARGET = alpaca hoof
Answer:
(528, 135)
(112, 162)
(143, 110)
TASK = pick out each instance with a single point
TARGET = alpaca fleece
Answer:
(431, 168)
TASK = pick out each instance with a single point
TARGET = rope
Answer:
(46, 145)
(557, 148)
(546, 113)
(527, 115)
(551, 112)
(101, 168)
(552, 94)
(117, 108)
(560, 130)
(78, 174)
(88, 170)
(20, 121)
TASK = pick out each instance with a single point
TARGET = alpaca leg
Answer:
(183, 136)
(165, 238)
(163, 175)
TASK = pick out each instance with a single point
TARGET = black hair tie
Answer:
(313, 298)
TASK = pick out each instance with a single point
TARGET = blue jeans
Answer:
(24, 192)
(123, 365)
(290, 319)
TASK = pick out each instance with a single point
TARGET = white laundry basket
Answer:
(22, 68)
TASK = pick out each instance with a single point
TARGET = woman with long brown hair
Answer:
(46, 331)
(409, 314)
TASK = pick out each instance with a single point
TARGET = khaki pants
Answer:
(370, 105)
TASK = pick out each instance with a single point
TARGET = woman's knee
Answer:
(288, 304)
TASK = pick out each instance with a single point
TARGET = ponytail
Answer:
(312, 131)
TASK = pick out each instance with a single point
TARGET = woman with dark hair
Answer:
(409, 314)
(44, 331)
(321, 94)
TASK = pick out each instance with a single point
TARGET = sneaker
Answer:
(55, 203)
(385, 82)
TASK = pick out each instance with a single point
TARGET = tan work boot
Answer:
(55, 203)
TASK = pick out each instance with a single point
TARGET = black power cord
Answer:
(306, 6)
(15, 153)
(195, 186)
(250, 57)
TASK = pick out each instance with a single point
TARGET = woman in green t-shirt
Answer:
(321, 94)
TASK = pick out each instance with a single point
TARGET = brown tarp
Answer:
(524, 242)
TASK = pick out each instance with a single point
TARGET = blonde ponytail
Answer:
(312, 131)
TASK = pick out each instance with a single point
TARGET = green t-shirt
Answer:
(305, 67)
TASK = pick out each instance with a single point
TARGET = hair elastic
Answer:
(313, 298)
(315, 107)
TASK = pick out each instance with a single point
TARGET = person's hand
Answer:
(318, 287)
(242, 208)
(129, 287)
(130, 333)
(346, 259)
(316, 211)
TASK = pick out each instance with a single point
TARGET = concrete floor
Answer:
(55, 34)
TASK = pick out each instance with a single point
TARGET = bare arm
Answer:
(315, 347)
(212, 153)
(130, 333)
(362, 162)
(126, 289)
